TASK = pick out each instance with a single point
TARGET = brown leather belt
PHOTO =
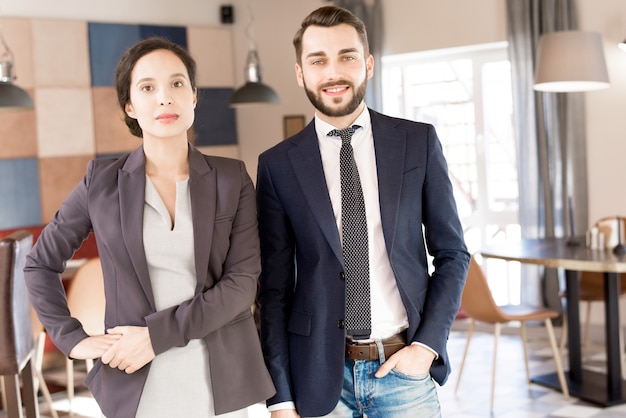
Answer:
(369, 351)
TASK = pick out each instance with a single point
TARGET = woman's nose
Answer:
(165, 99)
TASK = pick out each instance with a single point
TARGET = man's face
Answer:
(334, 70)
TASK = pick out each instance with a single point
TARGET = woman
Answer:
(178, 241)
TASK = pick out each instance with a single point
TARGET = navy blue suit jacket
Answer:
(302, 296)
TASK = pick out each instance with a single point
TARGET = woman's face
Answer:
(161, 96)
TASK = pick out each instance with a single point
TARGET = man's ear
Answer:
(369, 66)
(299, 75)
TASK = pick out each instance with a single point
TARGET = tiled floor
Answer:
(514, 397)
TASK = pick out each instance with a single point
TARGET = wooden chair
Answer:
(591, 284)
(16, 332)
(86, 301)
(479, 305)
(39, 335)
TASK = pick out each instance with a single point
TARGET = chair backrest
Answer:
(477, 302)
(85, 296)
(16, 332)
(608, 226)
(591, 285)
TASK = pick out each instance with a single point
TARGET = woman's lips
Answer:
(167, 117)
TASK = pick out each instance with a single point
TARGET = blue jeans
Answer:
(396, 395)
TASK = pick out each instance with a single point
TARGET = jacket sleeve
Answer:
(57, 243)
(445, 242)
(277, 283)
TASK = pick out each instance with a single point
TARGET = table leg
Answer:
(573, 325)
(612, 333)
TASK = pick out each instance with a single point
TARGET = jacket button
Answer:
(341, 324)
(342, 276)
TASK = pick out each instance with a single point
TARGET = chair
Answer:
(85, 299)
(39, 335)
(479, 306)
(16, 332)
(591, 283)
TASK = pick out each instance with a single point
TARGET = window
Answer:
(466, 94)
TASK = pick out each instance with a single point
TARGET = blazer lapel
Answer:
(390, 146)
(306, 161)
(203, 187)
(132, 184)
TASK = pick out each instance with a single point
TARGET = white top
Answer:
(178, 383)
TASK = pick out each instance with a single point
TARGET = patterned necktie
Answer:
(354, 241)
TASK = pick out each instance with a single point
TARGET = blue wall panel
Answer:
(19, 188)
(107, 43)
(215, 119)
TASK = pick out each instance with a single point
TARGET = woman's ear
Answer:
(128, 108)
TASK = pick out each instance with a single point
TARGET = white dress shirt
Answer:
(388, 314)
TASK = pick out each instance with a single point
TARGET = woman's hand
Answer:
(93, 347)
(131, 351)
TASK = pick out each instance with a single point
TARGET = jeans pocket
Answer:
(413, 377)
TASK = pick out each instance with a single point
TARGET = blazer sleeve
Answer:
(277, 283)
(57, 243)
(445, 242)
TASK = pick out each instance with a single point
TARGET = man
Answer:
(323, 359)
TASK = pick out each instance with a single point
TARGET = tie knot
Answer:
(344, 134)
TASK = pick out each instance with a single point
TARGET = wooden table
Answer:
(604, 389)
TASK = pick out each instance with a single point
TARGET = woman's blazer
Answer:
(110, 202)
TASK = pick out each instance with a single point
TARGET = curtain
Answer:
(370, 12)
(551, 146)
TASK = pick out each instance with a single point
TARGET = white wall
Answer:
(606, 122)
(606, 112)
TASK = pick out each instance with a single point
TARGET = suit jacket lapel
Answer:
(307, 165)
(203, 187)
(132, 184)
(390, 146)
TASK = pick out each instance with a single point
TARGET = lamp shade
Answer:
(569, 61)
(11, 96)
(254, 91)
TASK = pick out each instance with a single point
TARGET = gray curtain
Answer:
(370, 12)
(551, 146)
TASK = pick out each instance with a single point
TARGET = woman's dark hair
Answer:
(125, 67)
(329, 16)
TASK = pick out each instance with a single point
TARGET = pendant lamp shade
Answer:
(253, 91)
(11, 96)
(569, 61)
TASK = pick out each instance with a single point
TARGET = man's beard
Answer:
(347, 109)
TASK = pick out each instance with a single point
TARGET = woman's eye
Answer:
(146, 88)
(178, 83)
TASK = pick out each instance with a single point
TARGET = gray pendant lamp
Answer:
(570, 61)
(254, 91)
(11, 96)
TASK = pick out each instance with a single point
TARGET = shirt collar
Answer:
(323, 128)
